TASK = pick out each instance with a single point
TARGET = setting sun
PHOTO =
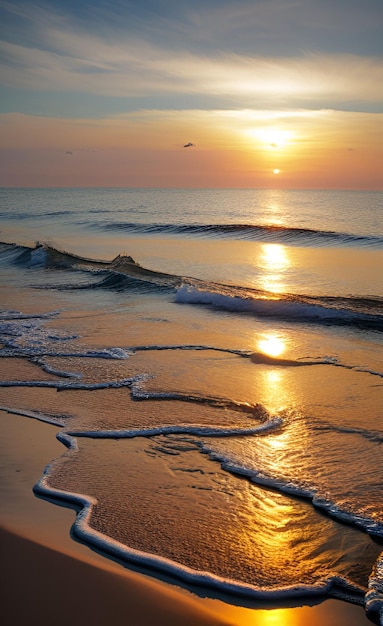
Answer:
(276, 171)
(274, 138)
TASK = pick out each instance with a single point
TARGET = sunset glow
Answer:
(274, 138)
(112, 98)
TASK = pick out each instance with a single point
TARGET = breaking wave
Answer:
(124, 274)
(357, 312)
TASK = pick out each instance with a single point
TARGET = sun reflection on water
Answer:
(274, 255)
(274, 262)
(275, 394)
(272, 344)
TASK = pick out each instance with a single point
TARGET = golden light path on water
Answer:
(271, 344)
(278, 395)
(274, 262)
(275, 208)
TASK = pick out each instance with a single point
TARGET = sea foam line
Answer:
(54, 371)
(41, 417)
(204, 431)
(372, 435)
(336, 586)
(368, 525)
(61, 386)
(118, 354)
(374, 595)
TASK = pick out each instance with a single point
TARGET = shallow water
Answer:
(219, 395)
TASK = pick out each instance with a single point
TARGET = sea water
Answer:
(218, 358)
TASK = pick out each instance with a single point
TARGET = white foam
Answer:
(202, 431)
(48, 419)
(374, 596)
(291, 309)
(298, 489)
(109, 353)
(60, 385)
(83, 530)
(54, 371)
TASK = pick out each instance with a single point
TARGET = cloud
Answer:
(164, 130)
(137, 69)
(191, 50)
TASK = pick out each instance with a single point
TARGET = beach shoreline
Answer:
(45, 567)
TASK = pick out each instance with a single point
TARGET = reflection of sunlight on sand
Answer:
(274, 262)
(279, 533)
(276, 617)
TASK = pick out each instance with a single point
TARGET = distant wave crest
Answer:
(253, 232)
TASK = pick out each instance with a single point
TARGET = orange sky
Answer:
(111, 98)
(325, 149)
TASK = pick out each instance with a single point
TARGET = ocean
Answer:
(212, 361)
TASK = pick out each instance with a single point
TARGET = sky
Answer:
(269, 93)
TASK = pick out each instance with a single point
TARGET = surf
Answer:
(123, 273)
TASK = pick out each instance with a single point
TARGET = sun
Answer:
(274, 138)
(276, 171)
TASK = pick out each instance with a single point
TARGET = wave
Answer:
(374, 597)
(375, 436)
(125, 274)
(370, 525)
(356, 312)
(334, 585)
(113, 281)
(251, 232)
(207, 581)
(27, 215)
(61, 386)
(264, 423)
(82, 529)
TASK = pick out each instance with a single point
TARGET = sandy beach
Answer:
(46, 577)
(191, 313)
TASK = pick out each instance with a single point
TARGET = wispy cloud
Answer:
(167, 130)
(53, 51)
(134, 69)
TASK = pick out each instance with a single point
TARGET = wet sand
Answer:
(47, 578)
